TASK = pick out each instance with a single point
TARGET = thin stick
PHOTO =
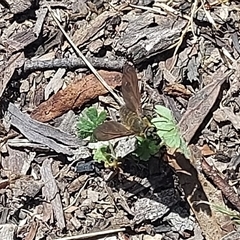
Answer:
(91, 235)
(79, 193)
(94, 71)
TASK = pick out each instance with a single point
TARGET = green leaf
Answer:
(89, 120)
(163, 125)
(164, 112)
(146, 148)
(92, 113)
(184, 148)
(105, 154)
(101, 117)
(101, 154)
(171, 139)
(85, 124)
(168, 131)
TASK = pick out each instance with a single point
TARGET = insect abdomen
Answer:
(131, 120)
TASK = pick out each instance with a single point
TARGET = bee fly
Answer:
(130, 112)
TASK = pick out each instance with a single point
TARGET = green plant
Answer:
(234, 215)
(168, 131)
(89, 119)
(164, 122)
(146, 148)
(106, 155)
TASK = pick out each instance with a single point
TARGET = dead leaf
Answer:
(32, 231)
(4, 183)
(75, 95)
(200, 105)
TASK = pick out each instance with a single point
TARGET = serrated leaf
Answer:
(146, 148)
(85, 124)
(101, 154)
(101, 117)
(159, 119)
(163, 125)
(164, 112)
(92, 113)
(104, 154)
(172, 140)
(168, 131)
(154, 147)
(140, 139)
(89, 120)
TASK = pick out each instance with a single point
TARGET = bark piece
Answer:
(25, 186)
(75, 95)
(7, 70)
(85, 33)
(20, 6)
(21, 39)
(177, 90)
(200, 105)
(17, 162)
(42, 133)
(51, 193)
(149, 34)
(156, 207)
(55, 83)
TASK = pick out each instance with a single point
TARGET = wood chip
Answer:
(50, 192)
(200, 105)
(42, 133)
(75, 95)
(7, 70)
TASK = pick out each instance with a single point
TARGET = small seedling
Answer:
(106, 155)
(164, 123)
(146, 148)
(168, 131)
(89, 120)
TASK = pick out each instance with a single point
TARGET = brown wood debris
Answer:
(200, 105)
(41, 133)
(75, 95)
(51, 195)
(177, 90)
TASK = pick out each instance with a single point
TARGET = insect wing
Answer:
(110, 130)
(130, 90)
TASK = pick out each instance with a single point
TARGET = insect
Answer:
(130, 113)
